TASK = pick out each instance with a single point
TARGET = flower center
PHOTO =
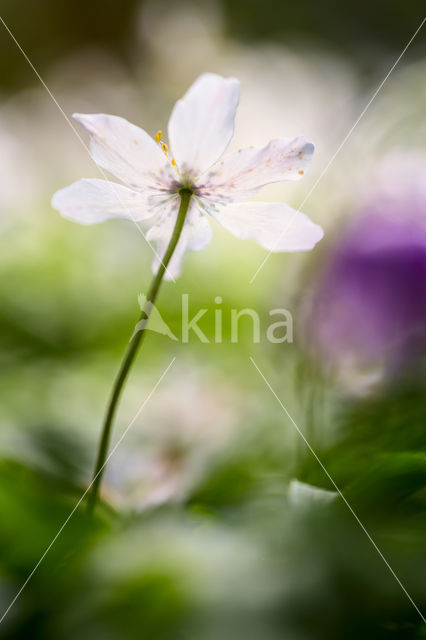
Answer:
(185, 191)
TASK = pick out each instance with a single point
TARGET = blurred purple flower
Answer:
(368, 312)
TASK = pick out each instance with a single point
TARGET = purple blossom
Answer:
(368, 311)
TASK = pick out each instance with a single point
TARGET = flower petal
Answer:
(127, 151)
(202, 123)
(274, 225)
(90, 201)
(196, 234)
(239, 175)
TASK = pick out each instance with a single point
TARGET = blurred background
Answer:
(217, 521)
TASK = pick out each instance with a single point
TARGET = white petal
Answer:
(239, 175)
(274, 225)
(127, 151)
(196, 234)
(301, 494)
(90, 201)
(202, 123)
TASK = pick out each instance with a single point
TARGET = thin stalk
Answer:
(131, 351)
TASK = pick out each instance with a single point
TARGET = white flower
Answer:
(200, 129)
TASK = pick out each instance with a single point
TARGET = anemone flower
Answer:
(200, 129)
(177, 189)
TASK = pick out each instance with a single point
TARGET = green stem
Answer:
(131, 351)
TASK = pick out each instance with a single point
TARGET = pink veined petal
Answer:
(127, 152)
(202, 123)
(89, 201)
(274, 225)
(239, 175)
(196, 234)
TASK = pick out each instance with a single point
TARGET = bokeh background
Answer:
(217, 521)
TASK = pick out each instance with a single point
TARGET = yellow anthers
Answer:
(163, 145)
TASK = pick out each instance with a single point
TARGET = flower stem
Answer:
(131, 351)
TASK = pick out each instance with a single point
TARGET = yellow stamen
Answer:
(173, 162)
(158, 135)
(164, 147)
